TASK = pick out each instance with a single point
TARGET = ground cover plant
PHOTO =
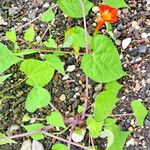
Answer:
(100, 61)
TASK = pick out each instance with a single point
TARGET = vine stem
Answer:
(43, 131)
(87, 49)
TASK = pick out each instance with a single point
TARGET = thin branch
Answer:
(87, 49)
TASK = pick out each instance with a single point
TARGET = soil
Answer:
(135, 59)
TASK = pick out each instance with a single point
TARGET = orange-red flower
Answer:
(107, 14)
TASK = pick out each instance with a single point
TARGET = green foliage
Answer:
(47, 16)
(109, 30)
(115, 3)
(25, 52)
(59, 147)
(75, 36)
(7, 58)
(55, 119)
(29, 34)
(39, 73)
(80, 109)
(139, 111)
(94, 127)
(33, 127)
(5, 140)
(50, 43)
(38, 97)
(55, 62)
(105, 101)
(73, 8)
(119, 137)
(11, 35)
(3, 78)
(104, 64)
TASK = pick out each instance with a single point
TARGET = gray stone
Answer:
(142, 48)
(36, 145)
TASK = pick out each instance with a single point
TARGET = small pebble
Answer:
(144, 35)
(26, 145)
(36, 145)
(65, 77)
(95, 9)
(71, 68)
(98, 88)
(142, 48)
(126, 42)
(130, 142)
(46, 5)
(63, 97)
(77, 137)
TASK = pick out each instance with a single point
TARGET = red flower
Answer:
(107, 14)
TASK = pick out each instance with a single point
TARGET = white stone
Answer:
(135, 25)
(130, 142)
(95, 9)
(71, 68)
(126, 42)
(144, 35)
(26, 145)
(46, 5)
(2, 22)
(36, 145)
(78, 138)
(63, 97)
(65, 77)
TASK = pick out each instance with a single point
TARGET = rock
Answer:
(13, 11)
(142, 48)
(63, 97)
(147, 122)
(78, 137)
(46, 5)
(126, 42)
(26, 145)
(120, 27)
(135, 25)
(144, 35)
(95, 9)
(65, 77)
(13, 128)
(130, 142)
(98, 88)
(36, 145)
(2, 22)
(71, 68)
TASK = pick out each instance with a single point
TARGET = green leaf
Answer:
(104, 64)
(55, 62)
(119, 138)
(25, 52)
(80, 109)
(109, 30)
(73, 8)
(50, 43)
(55, 119)
(94, 127)
(59, 147)
(30, 34)
(38, 72)
(139, 111)
(11, 35)
(35, 126)
(3, 78)
(38, 97)
(7, 58)
(47, 16)
(115, 3)
(109, 122)
(5, 140)
(75, 36)
(105, 101)
(113, 87)
(110, 137)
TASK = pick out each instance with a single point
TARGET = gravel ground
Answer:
(133, 26)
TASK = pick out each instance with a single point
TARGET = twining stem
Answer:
(87, 49)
